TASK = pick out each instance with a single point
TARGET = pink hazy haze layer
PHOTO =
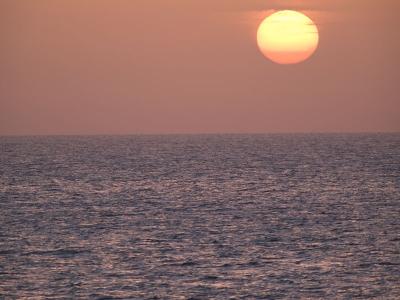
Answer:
(152, 66)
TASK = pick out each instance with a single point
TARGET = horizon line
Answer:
(200, 133)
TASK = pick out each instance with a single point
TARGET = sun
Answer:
(287, 37)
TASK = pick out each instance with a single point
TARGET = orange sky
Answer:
(178, 66)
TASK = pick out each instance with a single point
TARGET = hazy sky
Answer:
(179, 66)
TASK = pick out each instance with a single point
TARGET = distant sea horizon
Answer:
(199, 133)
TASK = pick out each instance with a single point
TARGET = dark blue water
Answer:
(200, 217)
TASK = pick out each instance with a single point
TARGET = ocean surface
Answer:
(200, 217)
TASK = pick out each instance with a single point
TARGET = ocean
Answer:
(291, 216)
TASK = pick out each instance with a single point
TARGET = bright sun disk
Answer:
(287, 37)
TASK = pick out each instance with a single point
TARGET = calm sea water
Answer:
(200, 217)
